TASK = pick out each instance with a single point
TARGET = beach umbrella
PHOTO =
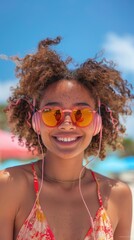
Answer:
(10, 148)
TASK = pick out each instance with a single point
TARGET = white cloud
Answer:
(121, 50)
(5, 90)
(130, 126)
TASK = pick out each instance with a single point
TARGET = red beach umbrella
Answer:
(10, 149)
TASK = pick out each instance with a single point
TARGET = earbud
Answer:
(36, 122)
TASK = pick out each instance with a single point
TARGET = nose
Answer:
(67, 123)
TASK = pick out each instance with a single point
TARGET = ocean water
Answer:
(12, 163)
(111, 165)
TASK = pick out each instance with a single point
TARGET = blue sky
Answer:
(86, 26)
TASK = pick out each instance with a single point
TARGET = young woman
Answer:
(65, 116)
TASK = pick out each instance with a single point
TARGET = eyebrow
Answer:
(52, 104)
(59, 104)
(82, 103)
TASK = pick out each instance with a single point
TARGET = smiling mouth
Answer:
(67, 139)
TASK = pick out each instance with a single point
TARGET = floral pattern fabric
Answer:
(36, 227)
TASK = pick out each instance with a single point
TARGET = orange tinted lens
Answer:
(82, 117)
(51, 117)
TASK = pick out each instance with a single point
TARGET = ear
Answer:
(36, 122)
(97, 124)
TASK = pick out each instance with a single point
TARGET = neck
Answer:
(63, 170)
(50, 179)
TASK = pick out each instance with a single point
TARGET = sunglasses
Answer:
(54, 116)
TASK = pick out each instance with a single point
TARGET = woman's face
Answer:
(66, 140)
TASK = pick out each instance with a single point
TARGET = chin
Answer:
(67, 155)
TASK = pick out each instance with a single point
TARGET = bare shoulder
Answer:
(13, 179)
(118, 189)
(117, 199)
(13, 188)
(11, 174)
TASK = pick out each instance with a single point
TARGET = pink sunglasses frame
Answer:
(63, 111)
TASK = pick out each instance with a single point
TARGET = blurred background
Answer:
(88, 27)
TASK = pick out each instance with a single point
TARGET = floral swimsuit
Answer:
(36, 226)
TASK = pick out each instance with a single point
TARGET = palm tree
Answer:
(3, 118)
(128, 144)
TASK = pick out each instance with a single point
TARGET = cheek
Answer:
(90, 130)
(88, 133)
(88, 139)
(45, 134)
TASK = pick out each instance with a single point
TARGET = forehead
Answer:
(67, 93)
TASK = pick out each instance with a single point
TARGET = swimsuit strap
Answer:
(36, 184)
(98, 188)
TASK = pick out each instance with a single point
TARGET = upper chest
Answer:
(64, 209)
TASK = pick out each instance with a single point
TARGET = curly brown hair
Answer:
(44, 67)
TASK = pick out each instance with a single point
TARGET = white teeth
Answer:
(66, 139)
